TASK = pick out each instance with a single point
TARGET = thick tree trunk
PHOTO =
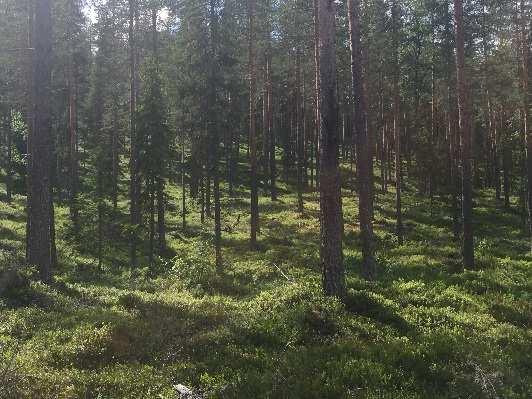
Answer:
(39, 205)
(360, 128)
(466, 138)
(331, 219)
(525, 57)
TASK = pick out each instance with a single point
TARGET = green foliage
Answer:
(194, 266)
(421, 330)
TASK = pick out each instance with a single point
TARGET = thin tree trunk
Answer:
(317, 117)
(396, 123)
(269, 132)
(382, 138)
(72, 81)
(29, 111)
(254, 208)
(506, 166)
(114, 157)
(134, 165)
(151, 193)
(208, 207)
(299, 134)
(215, 138)
(202, 197)
(183, 186)
(161, 224)
(454, 155)
(496, 158)
(235, 156)
(9, 155)
(99, 199)
(432, 141)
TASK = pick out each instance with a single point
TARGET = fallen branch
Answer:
(232, 227)
(282, 273)
(177, 235)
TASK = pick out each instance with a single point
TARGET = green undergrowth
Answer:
(264, 329)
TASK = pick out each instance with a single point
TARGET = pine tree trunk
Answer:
(360, 128)
(202, 197)
(114, 158)
(454, 155)
(161, 223)
(217, 221)
(396, 123)
(196, 172)
(331, 219)
(29, 111)
(269, 132)
(39, 205)
(382, 138)
(317, 117)
(432, 141)
(73, 142)
(183, 186)
(208, 207)
(134, 165)
(215, 137)
(525, 57)
(99, 200)
(507, 169)
(466, 138)
(254, 207)
(299, 134)
(151, 210)
(9, 155)
(496, 158)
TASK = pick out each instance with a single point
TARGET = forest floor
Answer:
(264, 330)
